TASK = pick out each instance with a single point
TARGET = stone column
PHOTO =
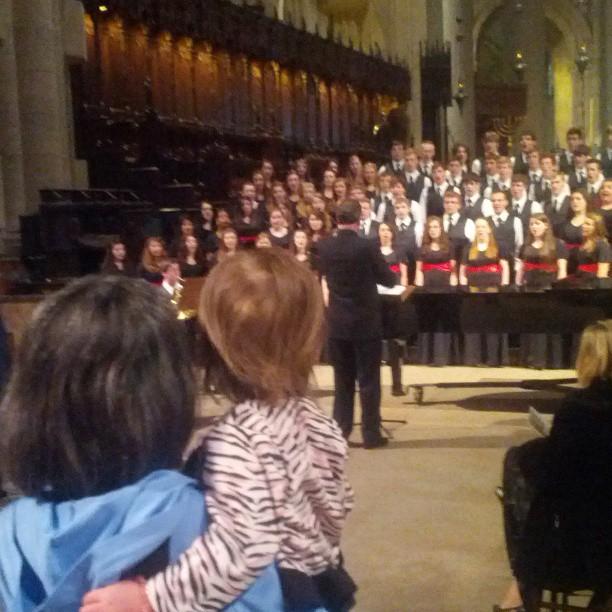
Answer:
(42, 85)
(12, 197)
(531, 39)
(461, 121)
(606, 64)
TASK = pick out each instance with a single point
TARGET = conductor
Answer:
(351, 267)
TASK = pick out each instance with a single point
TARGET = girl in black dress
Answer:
(391, 312)
(191, 258)
(571, 231)
(593, 256)
(436, 271)
(278, 233)
(543, 260)
(327, 188)
(116, 261)
(248, 224)
(484, 269)
(153, 253)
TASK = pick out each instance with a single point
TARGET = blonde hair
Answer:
(263, 313)
(595, 354)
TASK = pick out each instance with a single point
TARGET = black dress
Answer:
(154, 278)
(438, 347)
(588, 261)
(607, 218)
(284, 242)
(192, 270)
(541, 350)
(572, 236)
(391, 317)
(484, 274)
(557, 497)
(113, 270)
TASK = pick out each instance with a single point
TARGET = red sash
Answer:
(573, 245)
(444, 266)
(395, 268)
(545, 267)
(592, 268)
(494, 268)
(247, 239)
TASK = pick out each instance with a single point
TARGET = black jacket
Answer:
(569, 529)
(353, 266)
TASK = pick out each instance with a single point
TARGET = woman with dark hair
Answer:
(153, 254)
(461, 152)
(185, 228)
(294, 189)
(228, 246)
(191, 258)
(248, 224)
(116, 261)
(436, 271)
(327, 187)
(98, 413)
(316, 226)
(391, 312)
(571, 231)
(543, 261)
(484, 269)
(355, 171)
(274, 464)
(370, 181)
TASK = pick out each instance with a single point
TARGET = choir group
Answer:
(532, 221)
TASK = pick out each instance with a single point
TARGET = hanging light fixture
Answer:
(519, 64)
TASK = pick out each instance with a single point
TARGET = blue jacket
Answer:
(51, 554)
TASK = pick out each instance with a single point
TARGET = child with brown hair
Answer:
(274, 466)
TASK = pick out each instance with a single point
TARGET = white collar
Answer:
(472, 199)
(443, 186)
(168, 287)
(502, 216)
(399, 222)
(452, 216)
(521, 201)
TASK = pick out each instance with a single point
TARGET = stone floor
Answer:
(426, 534)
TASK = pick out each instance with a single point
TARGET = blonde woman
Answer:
(557, 515)
(484, 270)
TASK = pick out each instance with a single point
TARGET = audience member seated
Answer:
(98, 412)
(116, 261)
(152, 254)
(558, 490)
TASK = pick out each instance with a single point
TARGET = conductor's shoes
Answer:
(376, 442)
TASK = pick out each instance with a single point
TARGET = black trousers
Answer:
(357, 360)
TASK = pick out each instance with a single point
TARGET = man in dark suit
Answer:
(368, 225)
(395, 166)
(558, 209)
(565, 161)
(351, 267)
(578, 176)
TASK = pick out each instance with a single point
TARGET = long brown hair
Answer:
(183, 252)
(588, 244)
(442, 241)
(549, 249)
(492, 249)
(150, 263)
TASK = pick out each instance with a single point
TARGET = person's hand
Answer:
(124, 596)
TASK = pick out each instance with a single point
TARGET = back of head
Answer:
(594, 362)
(263, 313)
(102, 393)
(348, 212)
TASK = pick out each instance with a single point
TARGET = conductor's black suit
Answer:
(352, 266)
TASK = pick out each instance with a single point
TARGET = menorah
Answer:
(505, 127)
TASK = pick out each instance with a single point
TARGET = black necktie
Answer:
(403, 227)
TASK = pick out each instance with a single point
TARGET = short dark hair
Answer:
(103, 392)
(349, 212)
(593, 160)
(582, 149)
(520, 178)
(576, 131)
(470, 177)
